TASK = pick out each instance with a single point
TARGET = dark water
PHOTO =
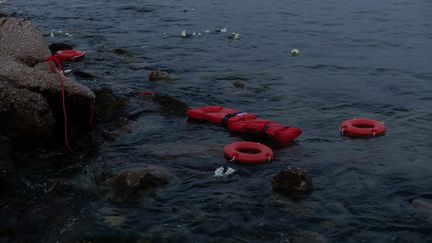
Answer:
(358, 59)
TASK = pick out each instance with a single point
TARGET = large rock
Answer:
(108, 105)
(25, 116)
(43, 82)
(125, 185)
(292, 181)
(22, 41)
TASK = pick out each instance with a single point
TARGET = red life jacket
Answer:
(242, 122)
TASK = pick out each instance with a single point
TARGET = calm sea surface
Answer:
(358, 59)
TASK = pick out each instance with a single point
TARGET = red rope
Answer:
(61, 83)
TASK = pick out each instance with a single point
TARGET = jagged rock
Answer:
(170, 104)
(25, 116)
(291, 181)
(22, 41)
(125, 185)
(159, 75)
(108, 105)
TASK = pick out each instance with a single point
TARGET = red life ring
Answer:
(362, 127)
(248, 153)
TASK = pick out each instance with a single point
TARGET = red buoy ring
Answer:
(362, 127)
(248, 153)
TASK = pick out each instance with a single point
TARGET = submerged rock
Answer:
(159, 75)
(291, 181)
(25, 116)
(303, 236)
(22, 41)
(108, 105)
(170, 104)
(422, 204)
(125, 185)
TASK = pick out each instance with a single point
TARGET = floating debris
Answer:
(223, 30)
(52, 34)
(295, 52)
(234, 36)
(184, 34)
(207, 31)
(221, 171)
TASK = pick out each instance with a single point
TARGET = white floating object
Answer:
(295, 52)
(223, 30)
(183, 34)
(234, 36)
(222, 172)
(68, 35)
(207, 31)
(52, 34)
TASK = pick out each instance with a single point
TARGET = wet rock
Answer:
(422, 204)
(307, 237)
(159, 75)
(108, 105)
(22, 41)
(25, 116)
(292, 181)
(170, 104)
(45, 83)
(83, 75)
(55, 47)
(123, 52)
(115, 220)
(125, 185)
(239, 84)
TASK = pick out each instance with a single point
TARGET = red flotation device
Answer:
(278, 132)
(218, 115)
(362, 127)
(248, 153)
(243, 122)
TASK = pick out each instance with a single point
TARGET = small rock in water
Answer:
(239, 84)
(221, 171)
(291, 181)
(295, 52)
(422, 204)
(159, 75)
(115, 220)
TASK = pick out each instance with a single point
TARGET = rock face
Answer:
(21, 40)
(125, 185)
(159, 75)
(292, 181)
(25, 116)
(108, 105)
(30, 98)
